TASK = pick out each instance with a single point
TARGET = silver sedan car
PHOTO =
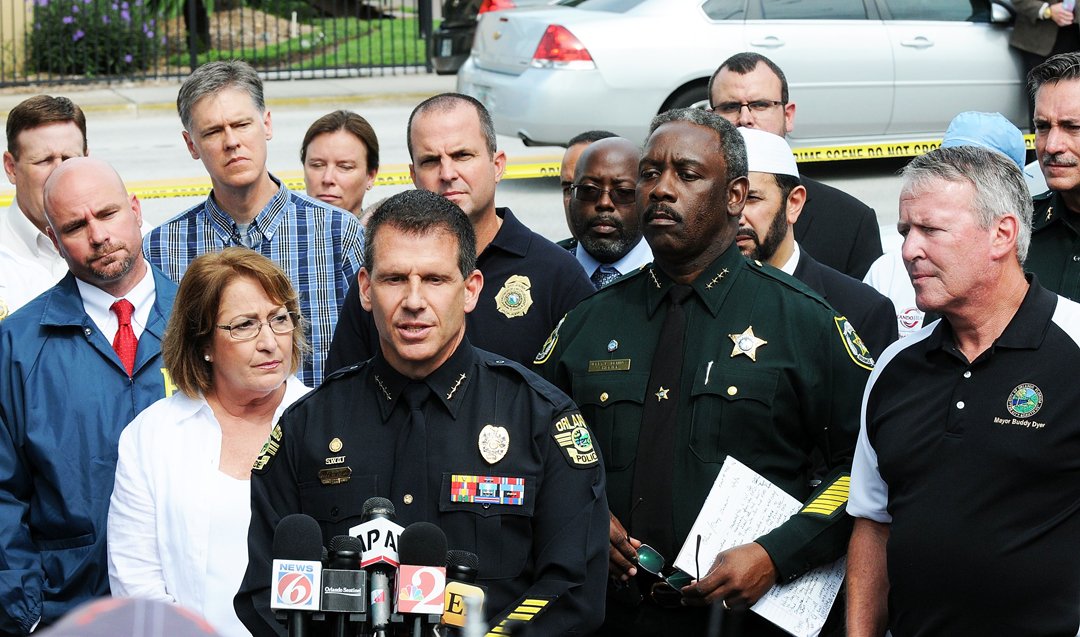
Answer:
(860, 71)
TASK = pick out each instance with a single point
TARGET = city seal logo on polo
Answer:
(1025, 400)
(514, 299)
(494, 441)
(575, 440)
(854, 345)
(549, 344)
(268, 451)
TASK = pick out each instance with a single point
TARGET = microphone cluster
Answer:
(381, 579)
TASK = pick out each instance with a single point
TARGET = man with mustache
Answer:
(708, 355)
(76, 365)
(226, 126)
(765, 233)
(529, 282)
(605, 227)
(1055, 238)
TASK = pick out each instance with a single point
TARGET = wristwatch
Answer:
(1044, 12)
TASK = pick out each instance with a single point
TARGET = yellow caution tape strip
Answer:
(530, 168)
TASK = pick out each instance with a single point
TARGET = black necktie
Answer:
(652, 518)
(408, 487)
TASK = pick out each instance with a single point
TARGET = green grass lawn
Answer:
(335, 42)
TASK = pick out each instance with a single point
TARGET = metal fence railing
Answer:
(67, 41)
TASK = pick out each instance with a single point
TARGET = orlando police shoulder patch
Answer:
(854, 345)
(575, 440)
(549, 344)
(268, 451)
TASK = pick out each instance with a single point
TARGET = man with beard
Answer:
(765, 233)
(607, 231)
(76, 365)
(711, 355)
(1055, 232)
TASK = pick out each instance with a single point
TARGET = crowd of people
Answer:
(169, 395)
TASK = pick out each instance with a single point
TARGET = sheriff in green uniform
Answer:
(767, 373)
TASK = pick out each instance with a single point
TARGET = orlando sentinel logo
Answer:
(295, 588)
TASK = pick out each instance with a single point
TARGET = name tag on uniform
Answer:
(611, 365)
(487, 489)
(335, 476)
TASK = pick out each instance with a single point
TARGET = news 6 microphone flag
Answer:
(297, 565)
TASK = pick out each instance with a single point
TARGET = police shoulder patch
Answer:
(549, 344)
(854, 345)
(575, 441)
(268, 451)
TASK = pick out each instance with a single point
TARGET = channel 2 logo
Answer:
(295, 588)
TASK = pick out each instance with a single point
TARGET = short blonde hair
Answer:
(194, 316)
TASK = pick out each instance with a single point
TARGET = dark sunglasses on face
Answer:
(591, 194)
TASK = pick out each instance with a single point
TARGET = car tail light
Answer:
(562, 50)
(496, 5)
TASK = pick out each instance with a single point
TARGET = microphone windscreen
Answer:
(462, 559)
(422, 544)
(298, 537)
(341, 543)
(378, 506)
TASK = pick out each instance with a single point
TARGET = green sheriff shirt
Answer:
(771, 373)
(1054, 255)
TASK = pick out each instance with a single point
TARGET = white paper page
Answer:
(741, 507)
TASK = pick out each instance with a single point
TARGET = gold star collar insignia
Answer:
(746, 343)
(662, 394)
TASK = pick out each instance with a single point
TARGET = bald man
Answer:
(607, 237)
(77, 363)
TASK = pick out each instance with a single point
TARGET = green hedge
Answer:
(92, 37)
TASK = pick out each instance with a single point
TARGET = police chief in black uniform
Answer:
(498, 458)
(529, 282)
(767, 373)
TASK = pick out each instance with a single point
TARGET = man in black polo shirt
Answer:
(1055, 239)
(966, 482)
(529, 282)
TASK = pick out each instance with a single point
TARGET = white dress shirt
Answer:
(98, 305)
(640, 255)
(17, 284)
(32, 266)
(165, 519)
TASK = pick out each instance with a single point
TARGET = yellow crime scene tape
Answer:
(528, 168)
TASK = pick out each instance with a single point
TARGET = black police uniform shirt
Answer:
(770, 374)
(529, 285)
(976, 469)
(1054, 255)
(544, 535)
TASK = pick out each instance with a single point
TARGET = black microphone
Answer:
(379, 535)
(297, 569)
(421, 583)
(344, 596)
(464, 599)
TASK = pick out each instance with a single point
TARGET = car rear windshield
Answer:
(614, 6)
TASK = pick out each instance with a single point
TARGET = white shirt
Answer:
(889, 276)
(160, 528)
(792, 262)
(18, 286)
(640, 255)
(98, 305)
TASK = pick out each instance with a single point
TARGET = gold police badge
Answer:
(494, 441)
(514, 299)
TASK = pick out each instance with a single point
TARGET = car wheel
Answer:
(694, 95)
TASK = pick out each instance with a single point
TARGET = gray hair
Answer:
(999, 185)
(213, 77)
(445, 102)
(732, 146)
(1059, 68)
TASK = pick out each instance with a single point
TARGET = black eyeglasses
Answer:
(757, 106)
(245, 329)
(592, 194)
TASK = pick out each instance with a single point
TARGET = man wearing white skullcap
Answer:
(765, 233)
